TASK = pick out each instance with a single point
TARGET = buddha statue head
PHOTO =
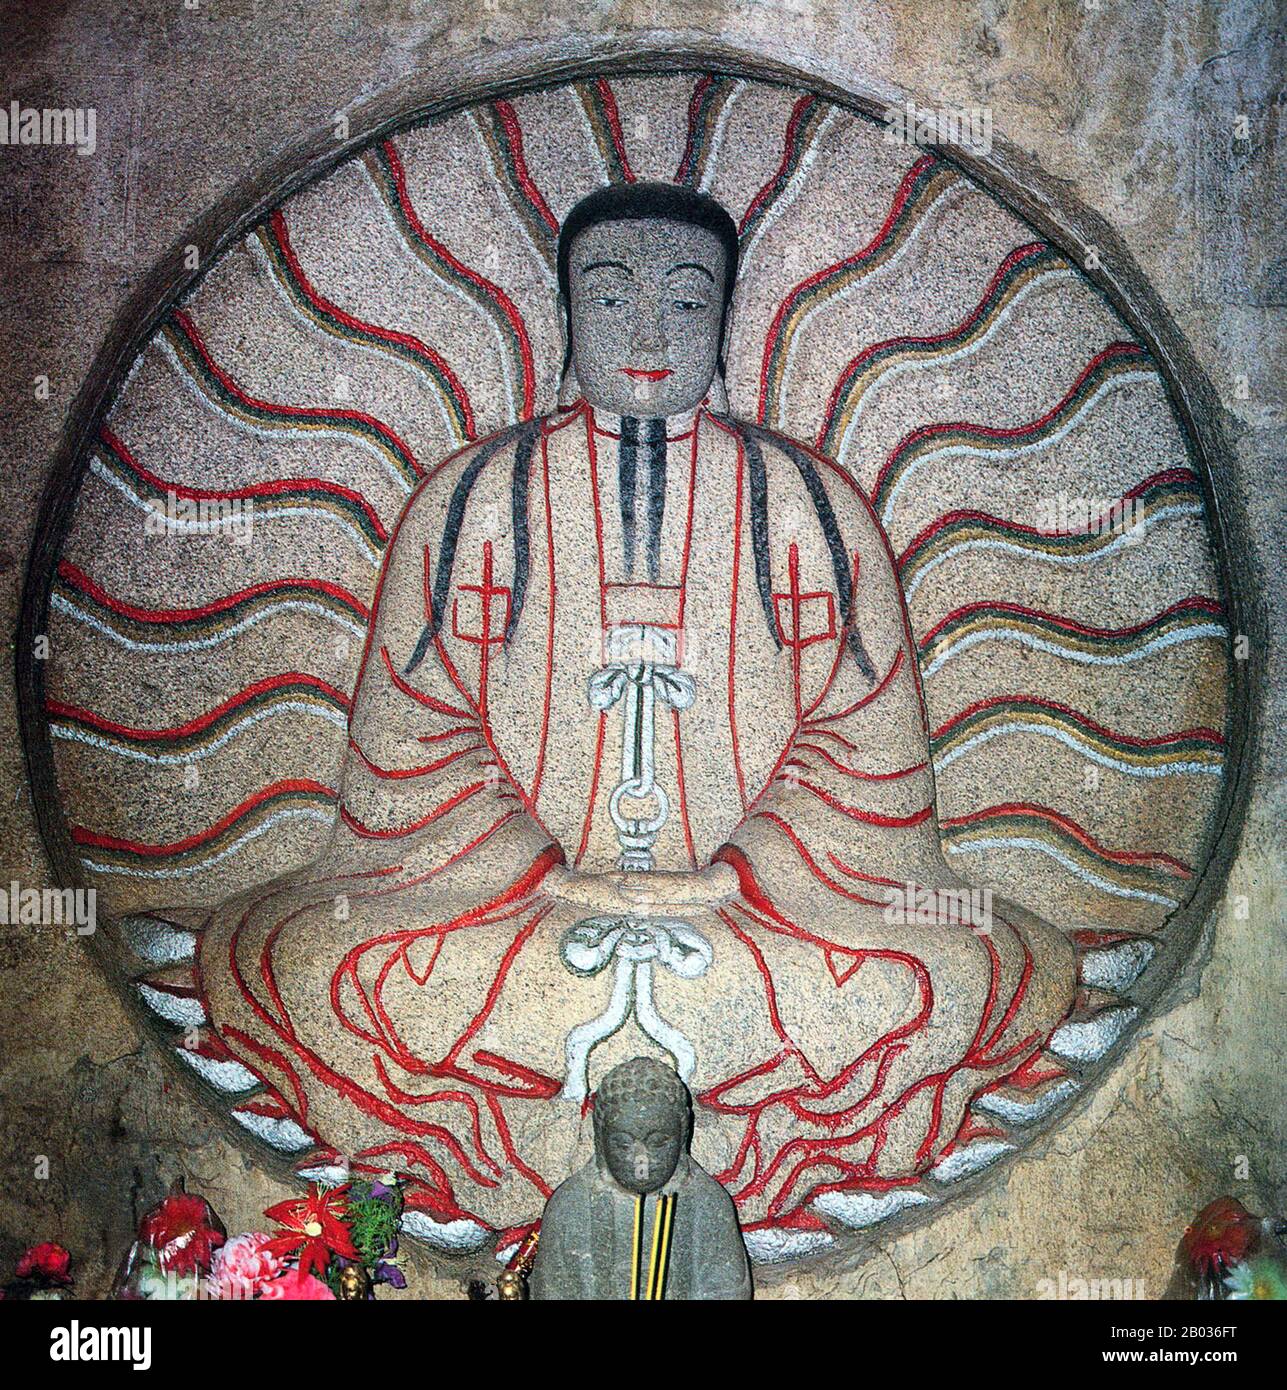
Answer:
(646, 273)
(642, 1122)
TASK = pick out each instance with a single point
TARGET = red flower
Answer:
(46, 1261)
(183, 1231)
(1222, 1235)
(313, 1226)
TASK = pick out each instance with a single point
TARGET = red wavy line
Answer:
(1081, 835)
(493, 292)
(1194, 603)
(1167, 475)
(58, 710)
(851, 367)
(798, 111)
(389, 335)
(292, 412)
(80, 580)
(514, 138)
(273, 488)
(1083, 719)
(286, 786)
(1113, 350)
(396, 832)
(694, 110)
(900, 199)
(613, 118)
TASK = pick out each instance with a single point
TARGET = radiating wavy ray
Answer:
(1197, 750)
(809, 118)
(920, 186)
(174, 630)
(1024, 267)
(1167, 495)
(218, 387)
(1191, 618)
(1117, 365)
(600, 107)
(385, 168)
(274, 237)
(706, 111)
(1149, 876)
(291, 692)
(314, 497)
(292, 797)
(502, 136)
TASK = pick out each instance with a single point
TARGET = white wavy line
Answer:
(287, 813)
(284, 605)
(954, 192)
(404, 240)
(1020, 842)
(1038, 644)
(1128, 538)
(256, 512)
(475, 119)
(333, 716)
(717, 138)
(283, 431)
(1018, 450)
(1086, 750)
(383, 353)
(1042, 281)
(794, 184)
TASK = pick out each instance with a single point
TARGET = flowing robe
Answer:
(412, 997)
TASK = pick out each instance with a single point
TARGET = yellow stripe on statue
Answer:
(634, 1250)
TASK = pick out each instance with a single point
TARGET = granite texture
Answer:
(1196, 1098)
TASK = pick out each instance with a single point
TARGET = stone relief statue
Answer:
(636, 758)
(527, 730)
(641, 1221)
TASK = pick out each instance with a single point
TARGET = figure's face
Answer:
(642, 1147)
(647, 305)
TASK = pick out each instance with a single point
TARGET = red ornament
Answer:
(1222, 1235)
(314, 1227)
(47, 1262)
(184, 1232)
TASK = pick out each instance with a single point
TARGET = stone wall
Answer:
(1126, 109)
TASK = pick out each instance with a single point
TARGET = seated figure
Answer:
(636, 760)
(641, 1221)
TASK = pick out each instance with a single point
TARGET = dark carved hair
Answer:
(638, 1079)
(639, 202)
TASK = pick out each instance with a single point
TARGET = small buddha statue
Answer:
(641, 1220)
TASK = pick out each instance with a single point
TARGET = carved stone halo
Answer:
(1045, 507)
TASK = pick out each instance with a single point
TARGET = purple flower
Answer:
(390, 1274)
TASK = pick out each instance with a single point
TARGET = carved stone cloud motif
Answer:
(915, 643)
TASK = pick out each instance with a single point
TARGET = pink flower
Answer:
(294, 1284)
(243, 1266)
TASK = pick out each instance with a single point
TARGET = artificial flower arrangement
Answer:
(1228, 1253)
(335, 1243)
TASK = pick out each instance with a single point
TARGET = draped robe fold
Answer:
(407, 995)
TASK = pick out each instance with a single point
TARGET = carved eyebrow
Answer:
(691, 265)
(600, 265)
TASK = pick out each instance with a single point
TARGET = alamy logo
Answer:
(74, 908)
(50, 125)
(77, 1343)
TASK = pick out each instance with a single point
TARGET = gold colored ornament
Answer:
(355, 1284)
(511, 1286)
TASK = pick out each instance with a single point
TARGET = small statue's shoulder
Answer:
(573, 1191)
(709, 1190)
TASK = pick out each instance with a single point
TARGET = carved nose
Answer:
(649, 336)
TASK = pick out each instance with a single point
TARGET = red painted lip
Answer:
(641, 374)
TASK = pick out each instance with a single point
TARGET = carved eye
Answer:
(690, 304)
(609, 301)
